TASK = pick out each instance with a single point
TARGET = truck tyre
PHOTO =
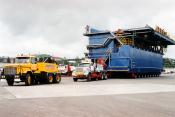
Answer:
(75, 79)
(10, 81)
(49, 78)
(35, 81)
(28, 80)
(89, 77)
(57, 78)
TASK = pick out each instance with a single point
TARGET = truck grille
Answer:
(10, 71)
(79, 69)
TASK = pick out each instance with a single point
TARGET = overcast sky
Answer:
(56, 27)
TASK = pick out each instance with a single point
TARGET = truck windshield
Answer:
(84, 65)
(22, 60)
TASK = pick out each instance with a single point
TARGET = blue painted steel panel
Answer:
(98, 39)
(145, 61)
(136, 60)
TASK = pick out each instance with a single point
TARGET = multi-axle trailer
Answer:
(136, 52)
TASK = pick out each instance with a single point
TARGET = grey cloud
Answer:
(60, 23)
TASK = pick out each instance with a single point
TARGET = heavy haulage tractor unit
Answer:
(90, 71)
(135, 52)
(32, 70)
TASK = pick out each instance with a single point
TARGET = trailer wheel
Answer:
(133, 75)
(89, 77)
(155, 75)
(75, 79)
(143, 75)
(28, 80)
(159, 74)
(137, 75)
(10, 81)
(104, 77)
(109, 75)
(57, 78)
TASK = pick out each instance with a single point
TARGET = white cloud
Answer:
(57, 26)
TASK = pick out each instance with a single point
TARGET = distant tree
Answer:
(59, 62)
(8, 60)
(77, 60)
(1, 59)
(65, 61)
(169, 63)
(13, 60)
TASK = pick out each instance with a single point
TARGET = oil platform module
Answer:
(137, 52)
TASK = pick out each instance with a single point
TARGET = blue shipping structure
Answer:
(137, 52)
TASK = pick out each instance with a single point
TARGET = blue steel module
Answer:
(136, 52)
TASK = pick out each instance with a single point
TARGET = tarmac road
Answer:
(144, 97)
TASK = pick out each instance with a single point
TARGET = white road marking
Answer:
(42, 91)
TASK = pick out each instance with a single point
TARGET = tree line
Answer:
(169, 63)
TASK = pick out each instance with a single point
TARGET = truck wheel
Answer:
(28, 80)
(10, 81)
(88, 78)
(57, 78)
(75, 79)
(35, 81)
(49, 79)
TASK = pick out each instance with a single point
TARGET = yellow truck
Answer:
(32, 69)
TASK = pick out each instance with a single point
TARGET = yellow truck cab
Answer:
(32, 69)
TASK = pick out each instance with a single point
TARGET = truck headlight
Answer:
(74, 73)
(86, 73)
(3, 77)
(16, 76)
